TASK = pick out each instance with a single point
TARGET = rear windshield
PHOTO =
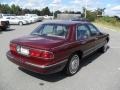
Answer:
(52, 30)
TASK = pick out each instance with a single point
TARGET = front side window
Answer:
(93, 30)
(82, 32)
(51, 30)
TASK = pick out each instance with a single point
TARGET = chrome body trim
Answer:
(36, 65)
(43, 66)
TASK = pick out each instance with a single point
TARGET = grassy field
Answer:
(107, 26)
(111, 23)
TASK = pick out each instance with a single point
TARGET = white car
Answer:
(33, 20)
(33, 17)
(24, 18)
(16, 21)
(46, 17)
(6, 15)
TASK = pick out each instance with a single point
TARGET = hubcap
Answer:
(74, 64)
(20, 23)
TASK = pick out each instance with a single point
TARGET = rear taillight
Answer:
(41, 54)
(13, 47)
(31, 52)
(34, 53)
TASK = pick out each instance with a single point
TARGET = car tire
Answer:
(73, 65)
(20, 23)
(104, 48)
(3, 29)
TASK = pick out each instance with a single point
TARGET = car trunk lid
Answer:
(39, 42)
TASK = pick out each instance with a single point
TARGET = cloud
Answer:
(112, 6)
(113, 11)
(77, 1)
(116, 8)
(57, 1)
(34, 4)
(15, 2)
(31, 4)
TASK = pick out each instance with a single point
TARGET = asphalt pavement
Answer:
(98, 72)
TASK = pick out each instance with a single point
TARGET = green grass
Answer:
(110, 26)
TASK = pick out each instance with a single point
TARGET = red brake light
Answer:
(47, 55)
(32, 52)
(41, 54)
(13, 47)
(35, 53)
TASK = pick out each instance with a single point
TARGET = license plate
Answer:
(24, 51)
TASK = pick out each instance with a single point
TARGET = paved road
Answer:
(98, 72)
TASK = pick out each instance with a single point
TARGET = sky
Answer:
(112, 6)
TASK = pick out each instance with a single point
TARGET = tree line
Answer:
(17, 10)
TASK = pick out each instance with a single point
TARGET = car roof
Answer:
(80, 19)
(65, 22)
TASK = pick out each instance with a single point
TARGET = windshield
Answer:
(51, 30)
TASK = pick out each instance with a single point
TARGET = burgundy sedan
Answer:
(57, 45)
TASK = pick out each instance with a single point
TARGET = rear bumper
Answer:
(53, 68)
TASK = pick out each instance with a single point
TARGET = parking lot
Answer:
(98, 72)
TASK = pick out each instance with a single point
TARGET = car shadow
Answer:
(89, 59)
(7, 30)
(50, 78)
(60, 76)
(0, 32)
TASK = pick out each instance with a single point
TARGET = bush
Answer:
(108, 20)
(91, 16)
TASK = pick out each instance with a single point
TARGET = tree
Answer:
(25, 11)
(4, 8)
(91, 16)
(15, 9)
(83, 10)
(117, 18)
(36, 11)
(78, 12)
(57, 12)
(100, 11)
(45, 11)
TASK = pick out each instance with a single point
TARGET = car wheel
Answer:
(104, 48)
(20, 23)
(2, 29)
(72, 65)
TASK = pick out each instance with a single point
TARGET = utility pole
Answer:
(85, 8)
(53, 6)
(53, 14)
